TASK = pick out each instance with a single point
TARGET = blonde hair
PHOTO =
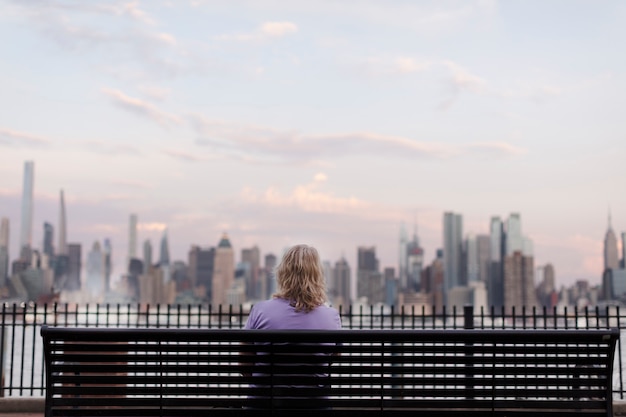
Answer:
(300, 278)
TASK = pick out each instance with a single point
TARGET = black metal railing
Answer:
(21, 354)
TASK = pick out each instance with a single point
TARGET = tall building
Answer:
(342, 290)
(62, 246)
(452, 250)
(370, 284)
(73, 282)
(94, 273)
(519, 281)
(546, 291)
(514, 239)
(611, 260)
(623, 250)
(483, 249)
(269, 283)
(147, 254)
(470, 255)
(495, 281)
(251, 257)
(132, 237)
(414, 263)
(201, 266)
(4, 251)
(224, 271)
(26, 230)
(164, 254)
(108, 253)
(48, 238)
(402, 260)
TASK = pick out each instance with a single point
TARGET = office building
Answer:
(611, 260)
(164, 254)
(452, 250)
(62, 246)
(519, 282)
(269, 283)
(414, 263)
(94, 274)
(4, 252)
(483, 248)
(342, 289)
(223, 272)
(147, 253)
(26, 230)
(201, 267)
(370, 283)
(108, 265)
(48, 236)
(251, 257)
(74, 267)
(132, 237)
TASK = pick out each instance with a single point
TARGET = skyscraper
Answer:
(4, 251)
(269, 283)
(224, 270)
(48, 238)
(470, 255)
(495, 281)
(414, 263)
(342, 292)
(370, 284)
(132, 237)
(108, 253)
(624, 250)
(452, 249)
(252, 258)
(519, 281)
(514, 239)
(26, 230)
(147, 254)
(402, 261)
(611, 260)
(164, 254)
(94, 273)
(74, 267)
(201, 267)
(483, 243)
(62, 247)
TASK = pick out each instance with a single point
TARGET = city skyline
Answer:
(329, 124)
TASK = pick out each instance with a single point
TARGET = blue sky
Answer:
(326, 122)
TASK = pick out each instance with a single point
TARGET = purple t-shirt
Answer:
(278, 314)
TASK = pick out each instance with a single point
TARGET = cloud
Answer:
(150, 227)
(290, 146)
(110, 148)
(267, 30)
(185, 156)
(142, 108)
(320, 177)
(154, 92)
(267, 144)
(392, 66)
(498, 147)
(306, 198)
(132, 184)
(15, 138)
(278, 29)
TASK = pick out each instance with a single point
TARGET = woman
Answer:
(300, 300)
(298, 304)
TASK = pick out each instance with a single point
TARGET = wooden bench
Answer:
(195, 372)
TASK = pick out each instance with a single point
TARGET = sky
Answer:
(330, 123)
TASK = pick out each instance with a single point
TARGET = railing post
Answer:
(468, 314)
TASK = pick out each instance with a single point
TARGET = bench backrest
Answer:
(193, 372)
